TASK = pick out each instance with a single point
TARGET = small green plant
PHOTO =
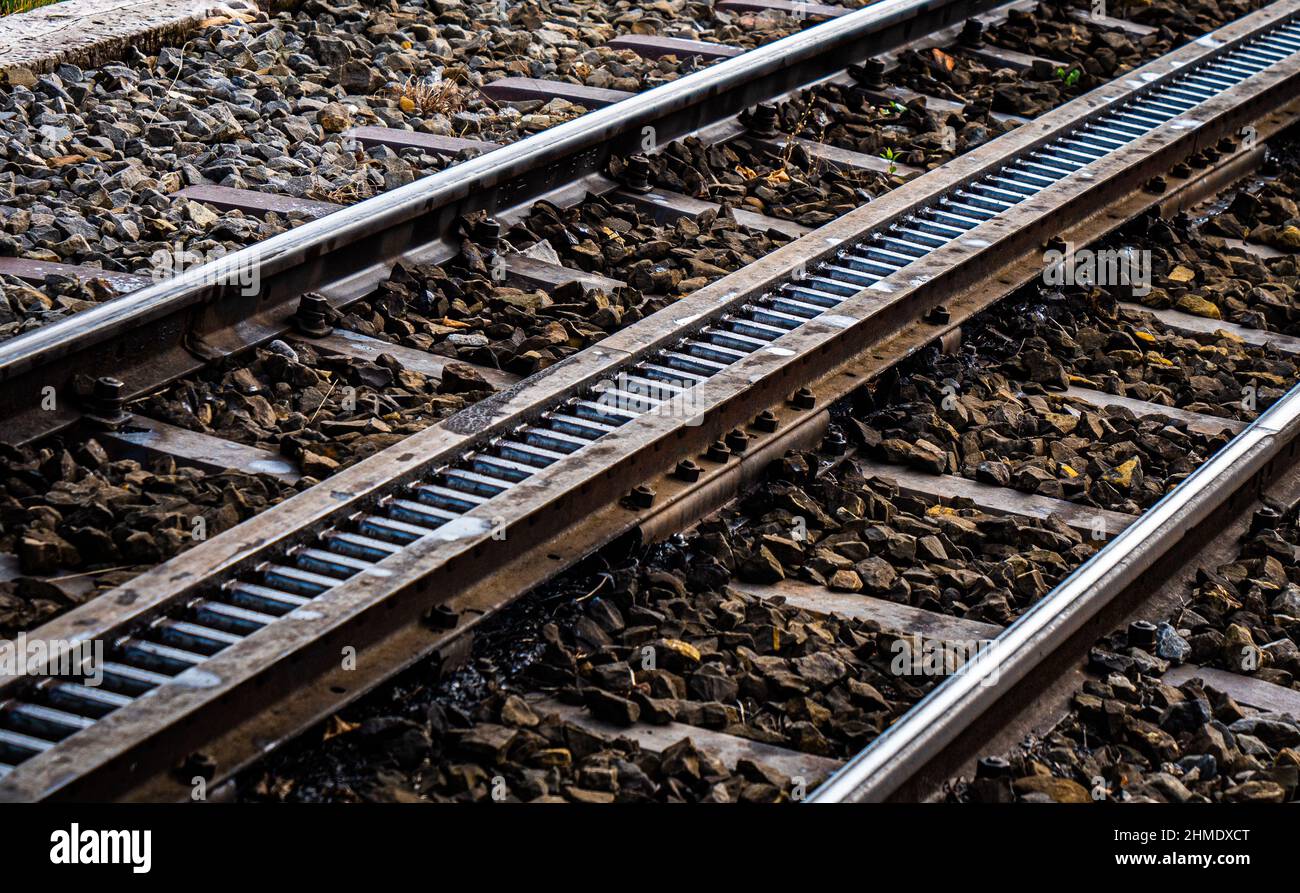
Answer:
(894, 108)
(12, 7)
(892, 157)
(1069, 78)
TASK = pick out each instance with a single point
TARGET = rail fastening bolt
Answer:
(1156, 185)
(938, 316)
(870, 74)
(441, 617)
(718, 452)
(737, 440)
(993, 767)
(487, 232)
(834, 443)
(1141, 634)
(109, 394)
(641, 497)
(972, 33)
(312, 316)
(803, 399)
(636, 177)
(1226, 145)
(687, 470)
(199, 765)
(1055, 243)
(1265, 519)
(1182, 170)
(763, 120)
(106, 402)
(766, 421)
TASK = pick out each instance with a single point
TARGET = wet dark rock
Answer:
(612, 708)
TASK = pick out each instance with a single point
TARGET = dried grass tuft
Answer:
(431, 97)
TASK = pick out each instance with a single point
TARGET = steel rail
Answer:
(936, 721)
(437, 568)
(150, 336)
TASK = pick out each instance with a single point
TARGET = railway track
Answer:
(650, 427)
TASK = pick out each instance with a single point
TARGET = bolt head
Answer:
(197, 764)
(107, 386)
(687, 470)
(803, 399)
(766, 421)
(993, 767)
(1141, 634)
(718, 452)
(641, 497)
(441, 617)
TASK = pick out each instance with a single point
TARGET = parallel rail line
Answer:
(160, 332)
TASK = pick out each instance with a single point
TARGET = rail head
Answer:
(890, 761)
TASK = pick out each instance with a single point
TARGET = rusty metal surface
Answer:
(297, 701)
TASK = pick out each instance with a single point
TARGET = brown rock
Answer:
(1061, 790)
